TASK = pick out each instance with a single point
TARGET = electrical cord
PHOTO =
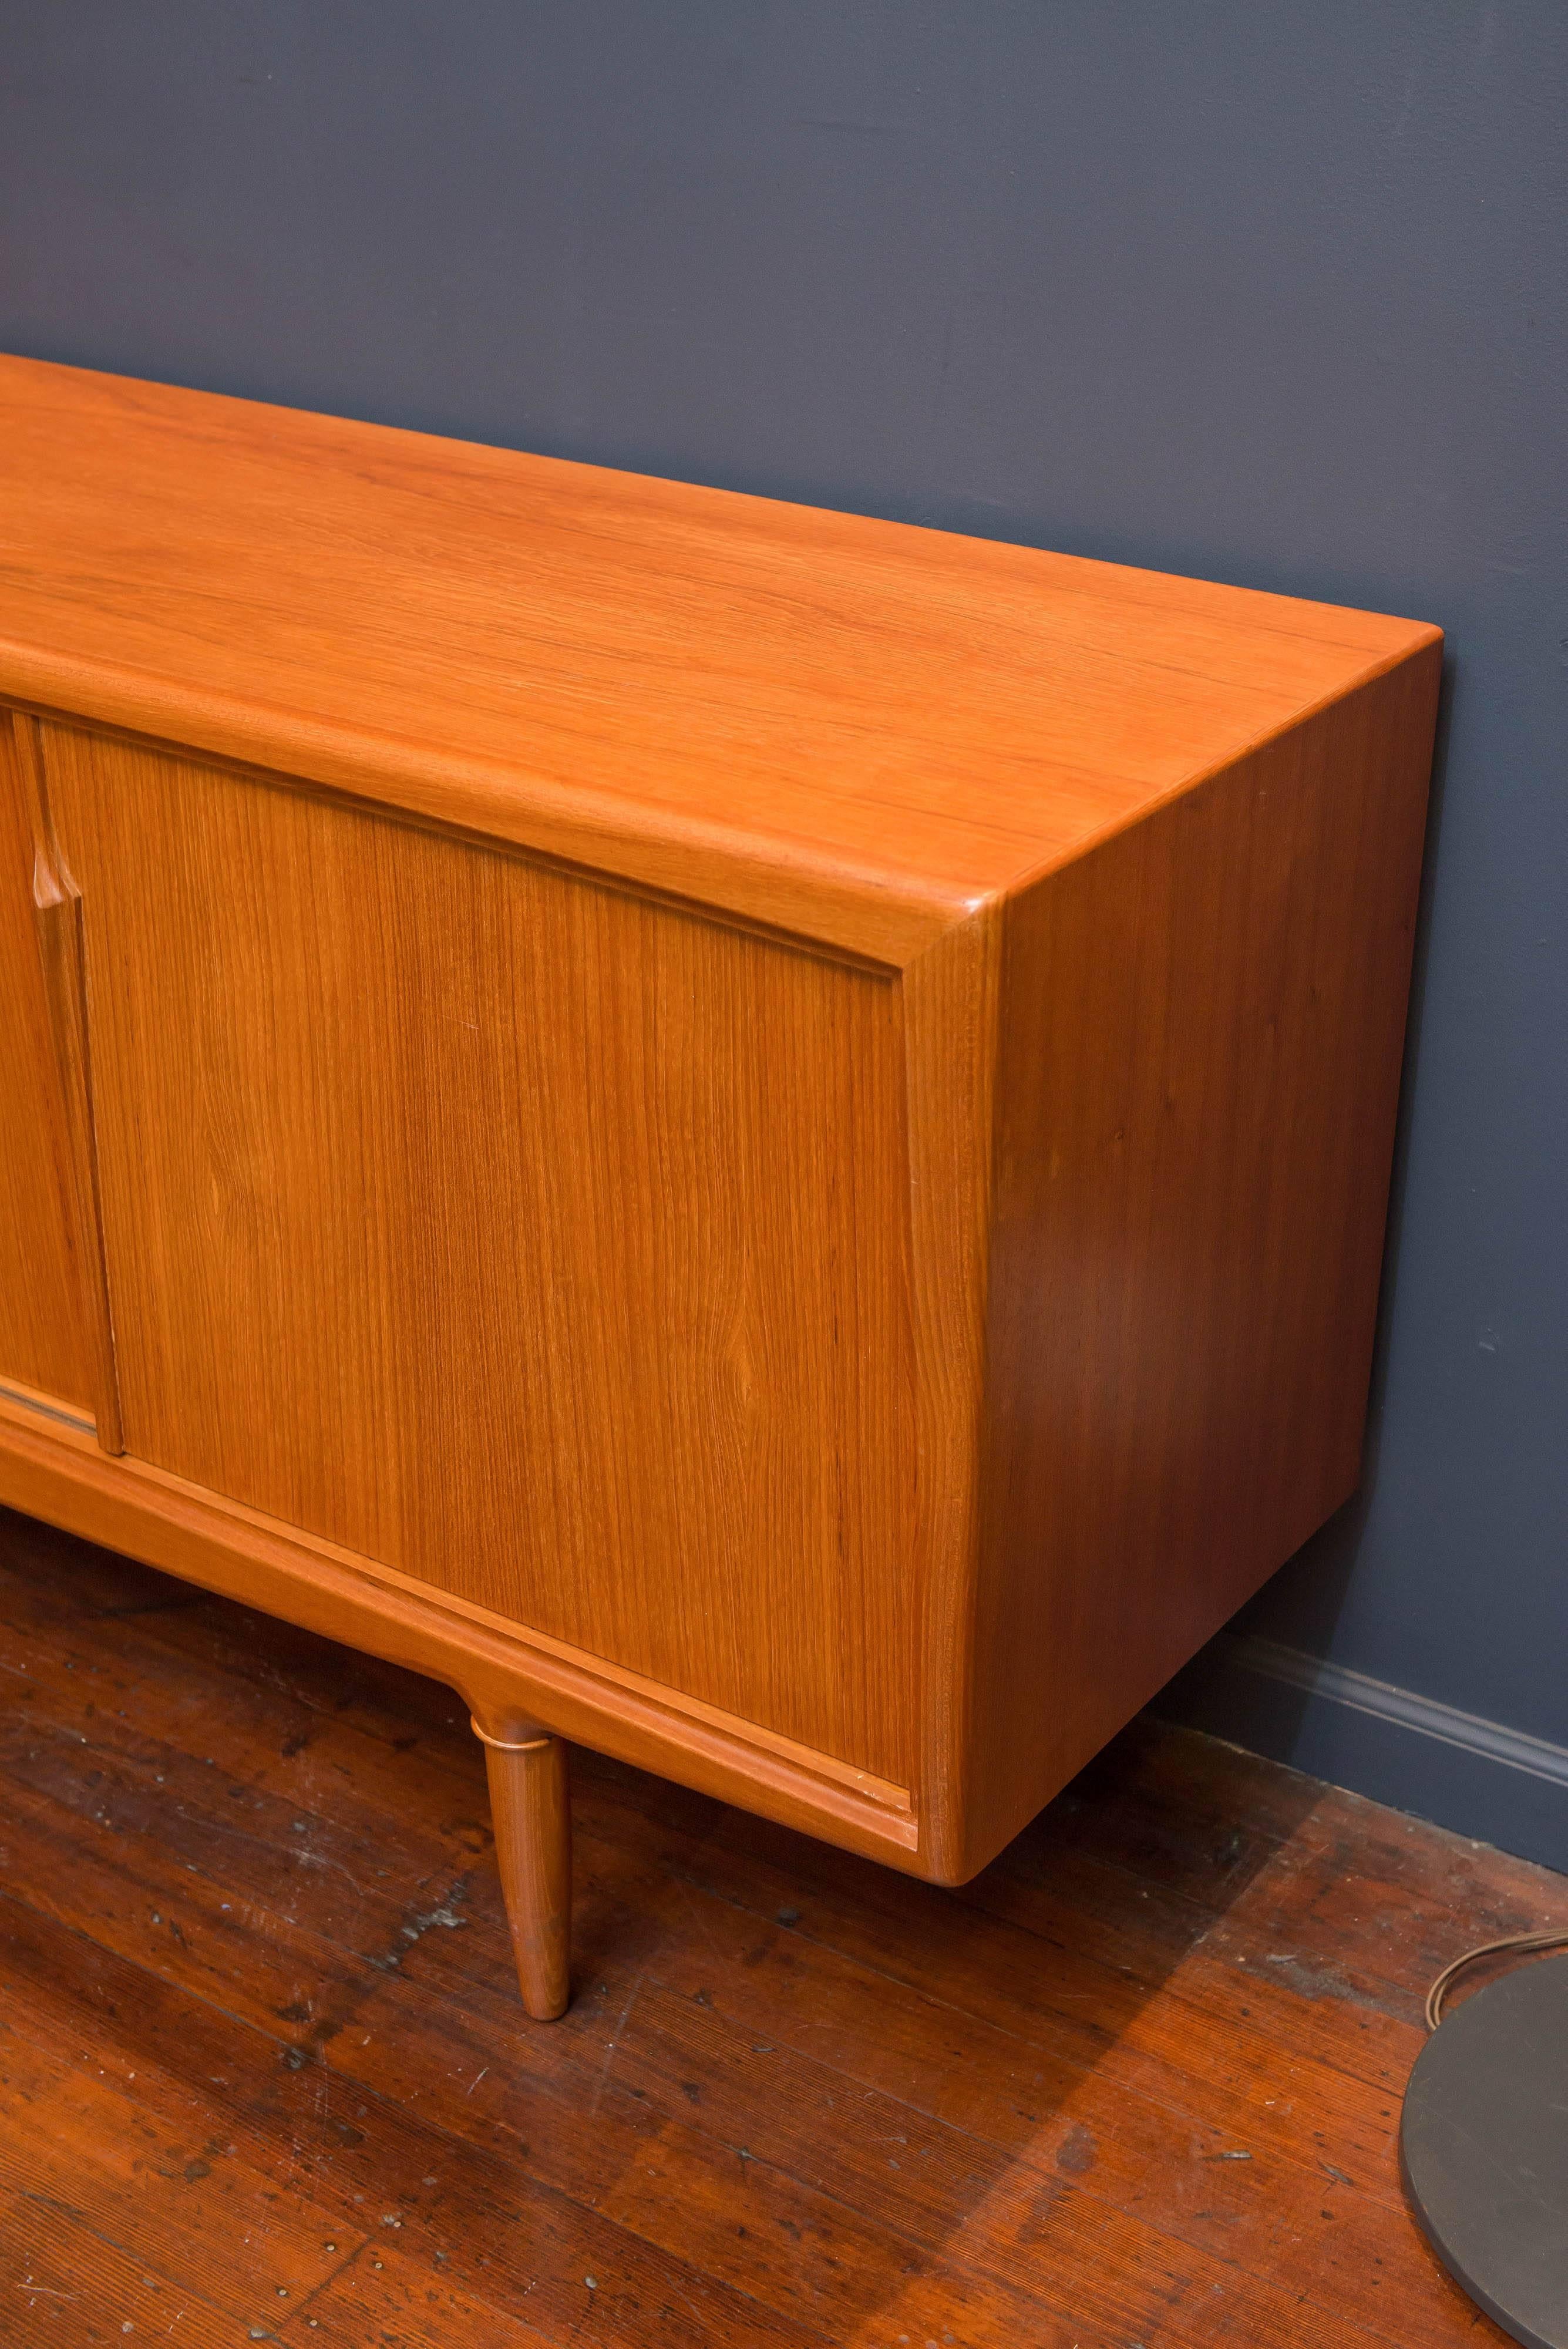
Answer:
(1517, 1945)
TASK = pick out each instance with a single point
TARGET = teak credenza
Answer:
(761, 1138)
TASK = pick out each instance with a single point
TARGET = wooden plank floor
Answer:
(265, 2076)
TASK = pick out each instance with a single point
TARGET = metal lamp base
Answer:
(1483, 2147)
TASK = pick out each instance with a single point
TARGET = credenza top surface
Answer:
(851, 727)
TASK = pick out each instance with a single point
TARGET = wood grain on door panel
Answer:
(525, 1235)
(47, 1332)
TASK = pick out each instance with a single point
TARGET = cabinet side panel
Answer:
(530, 1239)
(47, 1331)
(1202, 1027)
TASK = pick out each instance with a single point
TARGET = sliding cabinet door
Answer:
(535, 1240)
(53, 1329)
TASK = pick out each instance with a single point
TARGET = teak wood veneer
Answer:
(759, 1137)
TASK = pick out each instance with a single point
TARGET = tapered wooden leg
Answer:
(531, 1808)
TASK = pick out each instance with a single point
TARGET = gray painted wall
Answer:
(1272, 294)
